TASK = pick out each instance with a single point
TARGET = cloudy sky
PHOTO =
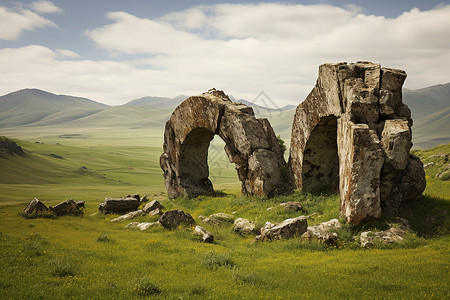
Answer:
(114, 51)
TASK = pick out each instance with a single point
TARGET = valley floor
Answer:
(89, 257)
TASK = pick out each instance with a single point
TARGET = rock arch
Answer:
(250, 144)
(355, 112)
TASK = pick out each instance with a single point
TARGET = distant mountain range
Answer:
(32, 108)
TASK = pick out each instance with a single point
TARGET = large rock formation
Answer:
(251, 145)
(352, 134)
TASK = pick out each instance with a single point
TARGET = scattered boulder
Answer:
(143, 226)
(173, 218)
(35, 206)
(244, 226)
(68, 207)
(129, 215)
(217, 218)
(289, 228)
(207, 237)
(395, 234)
(119, 205)
(152, 206)
(430, 164)
(392, 235)
(292, 206)
(321, 231)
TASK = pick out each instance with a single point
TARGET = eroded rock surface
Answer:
(352, 135)
(250, 144)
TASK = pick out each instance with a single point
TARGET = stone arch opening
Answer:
(194, 156)
(320, 169)
(250, 144)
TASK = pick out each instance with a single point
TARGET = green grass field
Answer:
(88, 257)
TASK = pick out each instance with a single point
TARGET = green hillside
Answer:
(31, 105)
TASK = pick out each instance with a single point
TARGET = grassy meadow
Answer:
(88, 257)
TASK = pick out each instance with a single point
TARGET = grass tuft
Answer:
(63, 267)
(103, 238)
(215, 260)
(146, 288)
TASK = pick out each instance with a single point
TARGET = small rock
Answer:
(152, 206)
(155, 212)
(244, 226)
(289, 228)
(207, 237)
(429, 165)
(68, 207)
(35, 206)
(142, 226)
(292, 206)
(129, 215)
(173, 218)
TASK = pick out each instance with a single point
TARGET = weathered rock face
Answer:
(352, 134)
(251, 145)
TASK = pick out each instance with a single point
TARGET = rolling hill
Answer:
(430, 109)
(29, 106)
(28, 109)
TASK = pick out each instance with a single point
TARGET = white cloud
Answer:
(45, 7)
(65, 53)
(14, 22)
(242, 49)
